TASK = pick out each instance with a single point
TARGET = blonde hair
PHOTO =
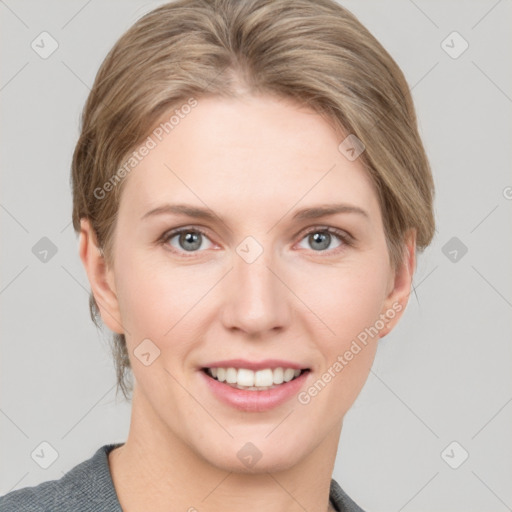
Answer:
(314, 52)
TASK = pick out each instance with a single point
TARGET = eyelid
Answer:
(171, 233)
(346, 238)
(344, 235)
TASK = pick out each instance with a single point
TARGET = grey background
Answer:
(443, 375)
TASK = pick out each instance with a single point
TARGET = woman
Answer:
(250, 191)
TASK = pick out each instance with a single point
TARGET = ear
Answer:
(400, 285)
(100, 277)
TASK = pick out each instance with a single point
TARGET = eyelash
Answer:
(346, 239)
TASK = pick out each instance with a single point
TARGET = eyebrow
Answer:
(207, 214)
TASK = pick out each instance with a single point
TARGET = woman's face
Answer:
(257, 281)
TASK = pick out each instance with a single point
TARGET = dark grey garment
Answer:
(88, 487)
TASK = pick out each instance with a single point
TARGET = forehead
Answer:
(253, 151)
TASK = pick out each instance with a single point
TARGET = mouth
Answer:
(254, 386)
(254, 380)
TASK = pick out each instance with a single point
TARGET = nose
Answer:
(257, 301)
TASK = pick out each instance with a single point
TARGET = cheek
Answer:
(349, 302)
(157, 299)
(345, 299)
(334, 303)
(155, 295)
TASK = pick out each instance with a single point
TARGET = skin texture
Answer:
(254, 161)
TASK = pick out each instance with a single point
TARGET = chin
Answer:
(269, 464)
(248, 457)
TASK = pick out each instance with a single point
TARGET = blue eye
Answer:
(193, 240)
(320, 239)
(188, 240)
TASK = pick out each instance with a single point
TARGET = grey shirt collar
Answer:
(88, 487)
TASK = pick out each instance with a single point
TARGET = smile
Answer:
(265, 387)
(250, 380)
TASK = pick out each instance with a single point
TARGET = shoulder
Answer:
(86, 487)
(341, 500)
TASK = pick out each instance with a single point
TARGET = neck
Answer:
(155, 468)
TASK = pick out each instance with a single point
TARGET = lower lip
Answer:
(255, 401)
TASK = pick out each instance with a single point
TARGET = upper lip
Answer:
(255, 365)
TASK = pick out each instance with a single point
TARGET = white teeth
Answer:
(231, 376)
(263, 378)
(278, 376)
(243, 378)
(221, 374)
(288, 374)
